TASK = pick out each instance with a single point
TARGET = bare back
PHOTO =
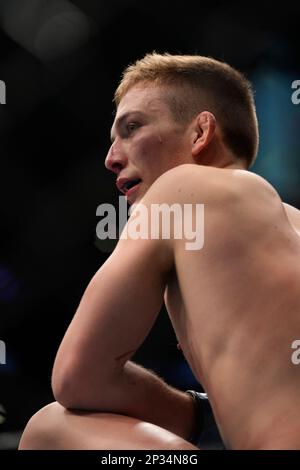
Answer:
(235, 307)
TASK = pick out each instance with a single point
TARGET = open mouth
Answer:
(129, 185)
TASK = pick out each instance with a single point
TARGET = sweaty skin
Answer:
(235, 308)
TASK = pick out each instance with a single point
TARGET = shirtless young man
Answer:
(186, 127)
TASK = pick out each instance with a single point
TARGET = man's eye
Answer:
(131, 126)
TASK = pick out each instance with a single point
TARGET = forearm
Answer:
(141, 394)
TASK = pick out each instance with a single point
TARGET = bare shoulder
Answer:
(232, 197)
(191, 183)
(265, 199)
(254, 185)
(197, 183)
(292, 211)
(293, 215)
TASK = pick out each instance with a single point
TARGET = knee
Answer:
(42, 430)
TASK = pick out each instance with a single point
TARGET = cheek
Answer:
(158, 152)
(149, 147)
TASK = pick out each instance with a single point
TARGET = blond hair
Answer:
(196, 83)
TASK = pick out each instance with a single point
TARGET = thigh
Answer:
(54, 427)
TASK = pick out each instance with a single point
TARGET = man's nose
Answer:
(115, 160)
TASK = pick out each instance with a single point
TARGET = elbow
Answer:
(63, 387)
(74, 387)
(67, 387)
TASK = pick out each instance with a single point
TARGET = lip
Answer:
(121, 181)
(132, 190)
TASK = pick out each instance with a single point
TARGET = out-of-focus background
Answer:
(61, 61)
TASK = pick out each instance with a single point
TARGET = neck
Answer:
(234, 165)
(219, 156)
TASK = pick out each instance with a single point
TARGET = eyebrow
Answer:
(121, 119)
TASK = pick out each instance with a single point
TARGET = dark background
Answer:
(61, 62)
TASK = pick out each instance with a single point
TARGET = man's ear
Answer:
(204, 131)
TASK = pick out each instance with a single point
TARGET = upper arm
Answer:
(116, 313)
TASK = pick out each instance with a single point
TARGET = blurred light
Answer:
(62, 34)
(2, 92)
(2, 414)
(10, 440)
(49, 30)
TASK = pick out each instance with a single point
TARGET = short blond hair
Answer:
(195, 83)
